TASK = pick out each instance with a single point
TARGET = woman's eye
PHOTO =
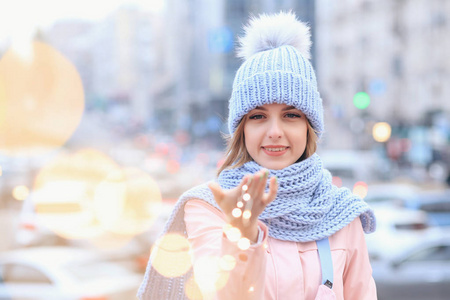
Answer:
(256, 117)
(293, 116)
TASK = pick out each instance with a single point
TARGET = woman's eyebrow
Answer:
(260, 107)
(284, 109)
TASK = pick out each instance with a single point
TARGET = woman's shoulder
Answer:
(343, 237)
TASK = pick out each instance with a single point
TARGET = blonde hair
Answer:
(237, 154)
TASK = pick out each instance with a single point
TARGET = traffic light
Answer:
(361, 100)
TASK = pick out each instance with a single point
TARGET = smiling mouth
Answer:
(274, 149)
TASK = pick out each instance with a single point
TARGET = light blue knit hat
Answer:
(276, 69)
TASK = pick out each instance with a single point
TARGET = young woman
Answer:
(272, 225)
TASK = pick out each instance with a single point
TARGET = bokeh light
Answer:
(127, 202)
(227, 262)
(191, 289)
(232, 233)
(41, 99)
(173, 166)
(162, 149)
(247, 214)
(20, 192)
(337, 181)
(208, 274)
(236, 212)
(220, 163)
(361, 100)
(360, 189)
(64, 190)
(243, 243)
(381, 132)
(170, 255)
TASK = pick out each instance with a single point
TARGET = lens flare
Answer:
(41, 99)
(20, 192)
(170, 255)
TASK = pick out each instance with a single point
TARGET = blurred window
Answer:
(438, 253)
(443, 206)
(343, 173)
(13, 273)
(411, 226)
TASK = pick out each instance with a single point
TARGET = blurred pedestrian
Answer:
(273, 211)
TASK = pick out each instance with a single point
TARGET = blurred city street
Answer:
(107, 117)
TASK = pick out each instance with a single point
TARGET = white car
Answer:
(64, 273)
(395, 194)
(417, 271)
(396, 227)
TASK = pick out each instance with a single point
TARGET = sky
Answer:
(20, 18)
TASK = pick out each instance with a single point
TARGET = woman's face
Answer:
(275, 135)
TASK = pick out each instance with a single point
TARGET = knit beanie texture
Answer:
(276, 70)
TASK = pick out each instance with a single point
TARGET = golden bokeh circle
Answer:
(64, 189)
(127, 202)
(20, 192)
(41, 99)
(209, 274)
(192, 290)
(170, 255)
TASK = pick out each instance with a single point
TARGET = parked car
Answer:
(435, 203)
(397, 227)
(64, 273)
(396, 194)
(420, 270)
(351, 166)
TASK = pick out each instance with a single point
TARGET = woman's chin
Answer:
(274, 165)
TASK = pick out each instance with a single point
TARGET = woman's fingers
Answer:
(259, 181)
(249, 196)
(217, 192)
(273, 189)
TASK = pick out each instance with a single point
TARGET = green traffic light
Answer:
(361, 100)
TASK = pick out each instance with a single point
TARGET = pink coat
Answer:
(275, 269)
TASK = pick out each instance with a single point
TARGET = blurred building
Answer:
(395, 51)
(211, 63)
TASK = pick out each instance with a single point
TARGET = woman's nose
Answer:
(275, 131)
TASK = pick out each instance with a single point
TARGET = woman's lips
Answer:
(275, 151)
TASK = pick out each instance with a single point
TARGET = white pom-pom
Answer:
(272, 31)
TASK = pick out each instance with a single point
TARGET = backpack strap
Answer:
(326, 262)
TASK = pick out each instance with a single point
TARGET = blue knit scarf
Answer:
(307, 208)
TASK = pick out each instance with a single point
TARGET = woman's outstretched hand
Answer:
(243, 204)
